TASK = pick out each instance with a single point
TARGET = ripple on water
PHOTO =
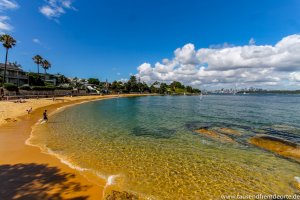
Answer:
(162, 158)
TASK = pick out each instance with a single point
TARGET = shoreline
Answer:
(65, 181)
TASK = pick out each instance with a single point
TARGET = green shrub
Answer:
(45, 88)
(94, 81)
(25, 87)
(10, 87)
(35, 79)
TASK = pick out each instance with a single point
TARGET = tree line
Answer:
(133, 85)
(9, 42)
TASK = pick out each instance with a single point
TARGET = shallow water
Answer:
(149, 144)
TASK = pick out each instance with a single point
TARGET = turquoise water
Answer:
(149, 144)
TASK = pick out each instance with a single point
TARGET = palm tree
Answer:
(38, 60)
(8, 43)
(46, 65)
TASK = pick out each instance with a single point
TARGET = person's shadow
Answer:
(37, 182)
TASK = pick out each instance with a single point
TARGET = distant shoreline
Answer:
(257, 92)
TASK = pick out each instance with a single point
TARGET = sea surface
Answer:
(147, 145)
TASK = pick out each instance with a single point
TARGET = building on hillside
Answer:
(14, 74)
(50, 79)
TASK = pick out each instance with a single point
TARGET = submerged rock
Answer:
(229, 131)
(116, 195)
(215, 135)
(277, 145)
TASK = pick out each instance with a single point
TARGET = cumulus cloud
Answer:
(221, 46)
(295, 76)
(5, 26)
(245, 66)
(53, 9)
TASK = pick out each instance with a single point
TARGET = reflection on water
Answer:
(149, 143)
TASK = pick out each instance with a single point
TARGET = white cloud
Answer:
(36, 40)
(248, 65)
(8, 5)
(252, 41)
(53, 9)
(51, 12)
(295, 76)
(68, 4)
(123, 80)
(221, 46)
(186, 54)
(4, 24)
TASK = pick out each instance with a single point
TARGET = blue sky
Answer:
(110, 39)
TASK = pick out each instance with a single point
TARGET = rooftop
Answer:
(11, 66)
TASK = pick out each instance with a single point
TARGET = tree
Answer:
(94, 81)
(163, 88)
(176, 84)
(8, 42)
(46, 65)
(153, 89)
(61, 79)
(38, 60)
(76, 83)
(143, 87)
(189, 89)
(117, 86)
(34, 79)
(132, 85)
(195, 90)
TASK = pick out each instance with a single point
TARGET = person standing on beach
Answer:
(29, 110)
(45, 116)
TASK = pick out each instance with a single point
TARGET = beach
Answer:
(179, 147)
(126, 148)
(27, 172)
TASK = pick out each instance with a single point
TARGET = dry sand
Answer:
(26, 172)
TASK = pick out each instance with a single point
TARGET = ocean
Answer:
(148, 145)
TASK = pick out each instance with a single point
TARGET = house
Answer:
(14, 74)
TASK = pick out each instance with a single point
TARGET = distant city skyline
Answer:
(207, 44)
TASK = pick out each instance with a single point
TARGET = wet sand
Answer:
(26, 172)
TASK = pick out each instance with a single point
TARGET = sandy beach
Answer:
(26, 172)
